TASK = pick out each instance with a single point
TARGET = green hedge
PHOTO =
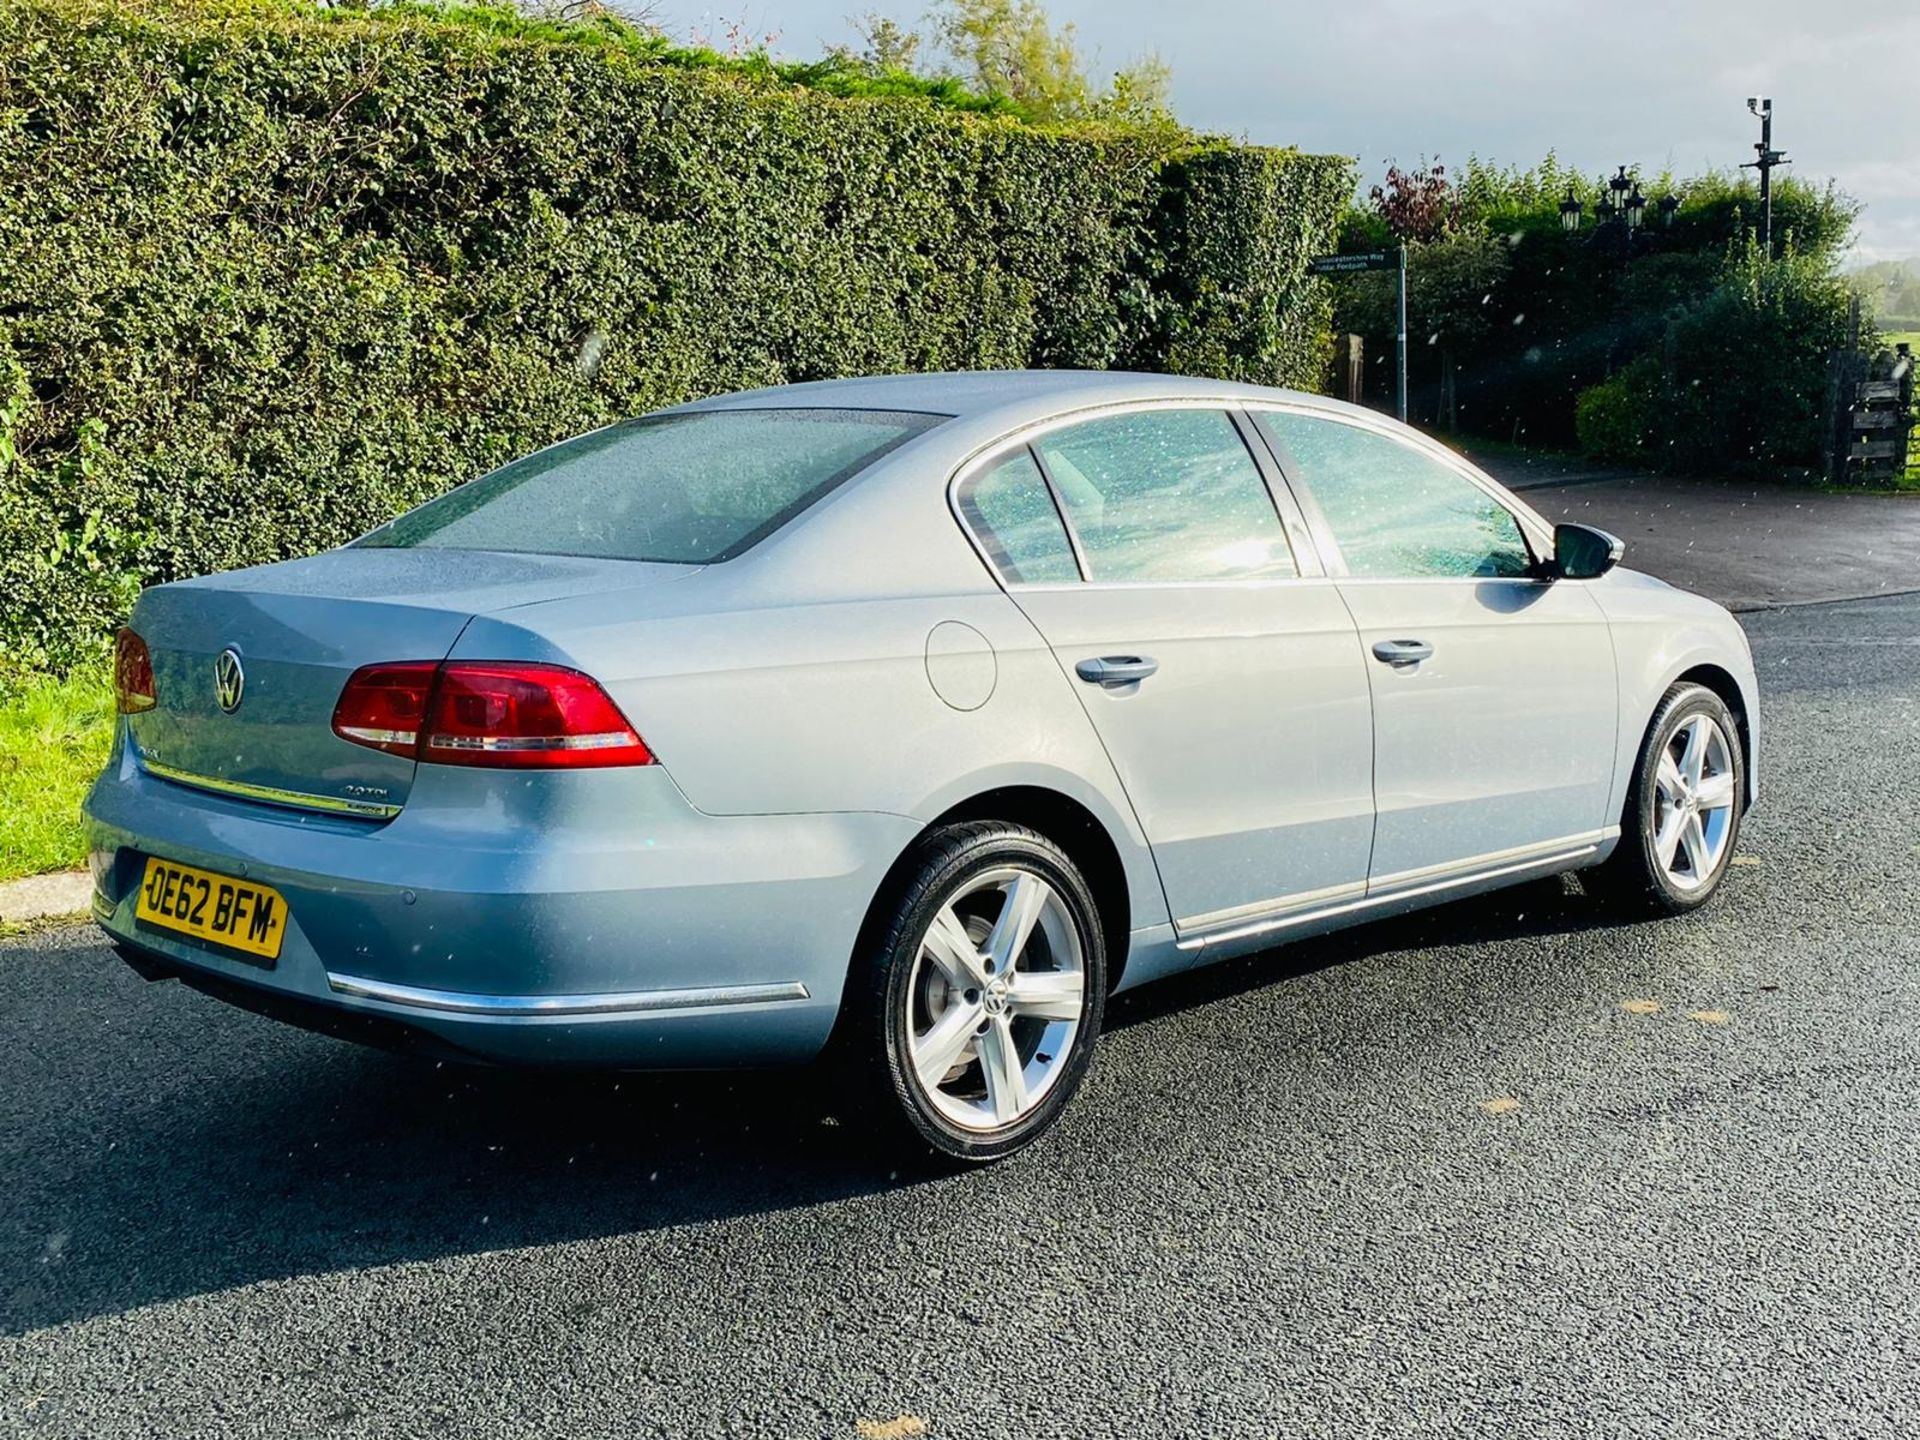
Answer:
(1738, 383)
(268, 276)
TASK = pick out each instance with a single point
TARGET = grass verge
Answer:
(54, 737)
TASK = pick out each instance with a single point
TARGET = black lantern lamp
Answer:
(1634, 208)
(1619, 185)
(1570, 212)
(1669, 205)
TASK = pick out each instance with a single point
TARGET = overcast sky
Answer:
(1635, 81)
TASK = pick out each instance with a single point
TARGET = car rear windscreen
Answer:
(689, 489)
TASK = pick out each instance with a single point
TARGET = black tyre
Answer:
(976, 999)
(1681, 822)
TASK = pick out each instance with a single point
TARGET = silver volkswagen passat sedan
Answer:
(901, 720)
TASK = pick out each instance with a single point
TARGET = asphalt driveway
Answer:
(1504, 1168)
(1750, 545)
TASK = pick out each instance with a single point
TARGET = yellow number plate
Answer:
(228, 912)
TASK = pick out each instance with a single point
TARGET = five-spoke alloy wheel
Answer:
(996, 998)
(983, 997)
(1682, 816)
(1693, 802)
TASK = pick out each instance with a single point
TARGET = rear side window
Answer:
(687, 489)
(1008, 507)
(1168, 495)
(1394, 511)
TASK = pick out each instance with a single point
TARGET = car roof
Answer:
(979, 394)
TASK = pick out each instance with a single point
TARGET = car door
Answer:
(1493, 686)
(1227, 687)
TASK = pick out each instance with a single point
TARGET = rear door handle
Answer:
(1398, 653)
(1113, 671)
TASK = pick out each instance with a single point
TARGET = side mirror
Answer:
(1581, 552)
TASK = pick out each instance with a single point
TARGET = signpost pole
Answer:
(1354, 264)
(1400, 358)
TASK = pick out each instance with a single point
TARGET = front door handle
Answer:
(1113, 671)
(1399, 653)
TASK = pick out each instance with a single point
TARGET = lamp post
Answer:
(1621, 199)
(1762, 106)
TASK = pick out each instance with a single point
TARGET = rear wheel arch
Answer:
(1061, 819)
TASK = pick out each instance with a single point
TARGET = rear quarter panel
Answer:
(797, 678)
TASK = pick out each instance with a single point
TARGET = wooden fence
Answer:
(1870, 414)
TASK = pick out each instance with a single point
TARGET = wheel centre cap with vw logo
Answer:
(229, 680)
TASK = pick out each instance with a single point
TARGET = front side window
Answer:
(1167, 495)
(1393, 511)
(694, 488)
(1009, 509)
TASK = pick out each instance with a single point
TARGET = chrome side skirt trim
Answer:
(1327, 912)
(1410, 880)
(634, 1002)
(1269, 909)
(270, 795)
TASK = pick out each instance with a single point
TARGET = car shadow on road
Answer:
(289, 1154)
(1554, 906)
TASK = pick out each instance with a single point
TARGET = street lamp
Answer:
(1620, 199)
(1620, 185)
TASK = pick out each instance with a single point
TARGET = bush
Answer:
(1739, 381)
(268, 276)
(1564, 311)
(1614, 419)
(1750, 364)
(67, 562)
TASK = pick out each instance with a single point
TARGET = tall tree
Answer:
(1013, 48)
(885, 44)
(1417, 204)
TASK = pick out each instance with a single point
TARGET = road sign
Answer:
(1378, 260)
(1353, 264)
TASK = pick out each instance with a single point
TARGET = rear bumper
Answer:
(599, 920)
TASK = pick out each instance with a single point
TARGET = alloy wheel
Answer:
(996, 999)
(1693, 802)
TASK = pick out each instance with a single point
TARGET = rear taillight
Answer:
(542, 716)
(132, 673)
(384, 706)
(503, 713)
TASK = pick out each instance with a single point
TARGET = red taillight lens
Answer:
(504, 713)
(530, 716)
(132, 673)
(383, 706)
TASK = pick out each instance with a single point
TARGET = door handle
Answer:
(1113, 671)
(1401, 653)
